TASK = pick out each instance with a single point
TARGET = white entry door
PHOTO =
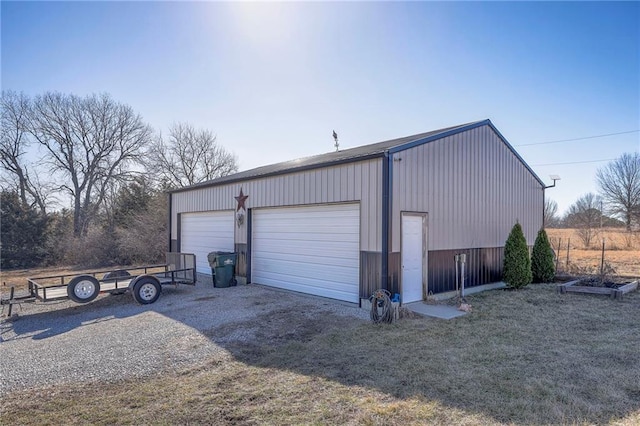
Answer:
(413, 238)
(310, 249)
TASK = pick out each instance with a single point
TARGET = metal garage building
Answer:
(391, 215)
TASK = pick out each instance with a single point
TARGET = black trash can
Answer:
(223, 265)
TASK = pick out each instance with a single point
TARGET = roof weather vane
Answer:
(335, 137)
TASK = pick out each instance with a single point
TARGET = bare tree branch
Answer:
(187, 157)
(619, 183)
(14, 142)
(550, 213)
(585, 216)
(91, 142)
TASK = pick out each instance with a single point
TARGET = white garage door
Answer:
(202, 233)
(314, 249)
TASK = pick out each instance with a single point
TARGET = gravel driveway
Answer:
(114, 338)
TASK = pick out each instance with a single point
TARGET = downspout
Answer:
(386, 202)
(544, 195)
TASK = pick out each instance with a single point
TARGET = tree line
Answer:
(83, 179)
(616, 204)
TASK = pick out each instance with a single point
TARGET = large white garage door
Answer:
(202, 233)
(314, 249)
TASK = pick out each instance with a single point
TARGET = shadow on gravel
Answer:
(51, 323)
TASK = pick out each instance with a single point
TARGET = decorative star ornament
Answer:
(241, 200)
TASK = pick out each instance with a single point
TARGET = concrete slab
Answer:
(436, 311)
(470, 290)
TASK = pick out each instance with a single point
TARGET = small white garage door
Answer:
(312, 249)
(202, 233)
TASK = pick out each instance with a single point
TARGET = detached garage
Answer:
(388, 215)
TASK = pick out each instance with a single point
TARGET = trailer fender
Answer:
(145, 289)
(113, 275)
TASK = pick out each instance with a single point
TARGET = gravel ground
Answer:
(114, 338)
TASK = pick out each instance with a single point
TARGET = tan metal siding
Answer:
(359, 181)
(473, 187)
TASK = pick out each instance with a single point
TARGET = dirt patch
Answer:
(597, 282)
(205, 298)
(251, 339)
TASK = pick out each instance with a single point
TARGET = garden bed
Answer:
(613, 289)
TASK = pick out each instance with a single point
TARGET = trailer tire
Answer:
(146, 290)
(83, 288)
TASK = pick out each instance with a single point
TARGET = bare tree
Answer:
(619, 183)
(188, 156)
(585, 216)
(90, 143)
(550, 213)
(14, 142)
(144, 239)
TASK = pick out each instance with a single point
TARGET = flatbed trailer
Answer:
(144, 282)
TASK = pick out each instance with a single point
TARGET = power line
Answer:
(573, 162)
(579, 139)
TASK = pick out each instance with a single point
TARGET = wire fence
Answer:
(607, 259)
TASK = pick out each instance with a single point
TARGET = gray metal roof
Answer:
(348, 155)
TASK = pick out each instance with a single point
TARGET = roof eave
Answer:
(461, 129)
(387, 151)
(516, 153)
(223, 181)
(438, 136)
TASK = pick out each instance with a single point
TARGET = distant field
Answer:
(18, 277)
(622, 251)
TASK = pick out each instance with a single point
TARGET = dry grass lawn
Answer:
(622, 251)
(521, 357)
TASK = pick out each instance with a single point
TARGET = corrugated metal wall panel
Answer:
(375, 205)
(349, 182)
(483, 266)
(473, 187)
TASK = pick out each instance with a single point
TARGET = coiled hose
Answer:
(381, 306)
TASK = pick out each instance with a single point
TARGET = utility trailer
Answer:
(143, 282)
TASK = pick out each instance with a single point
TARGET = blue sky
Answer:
(273, 80)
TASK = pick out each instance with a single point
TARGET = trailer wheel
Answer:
(83, 288)
(146, 290)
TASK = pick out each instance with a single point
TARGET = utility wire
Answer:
(573, 162)
(579, 139)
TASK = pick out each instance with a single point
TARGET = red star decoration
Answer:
(241, 199)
